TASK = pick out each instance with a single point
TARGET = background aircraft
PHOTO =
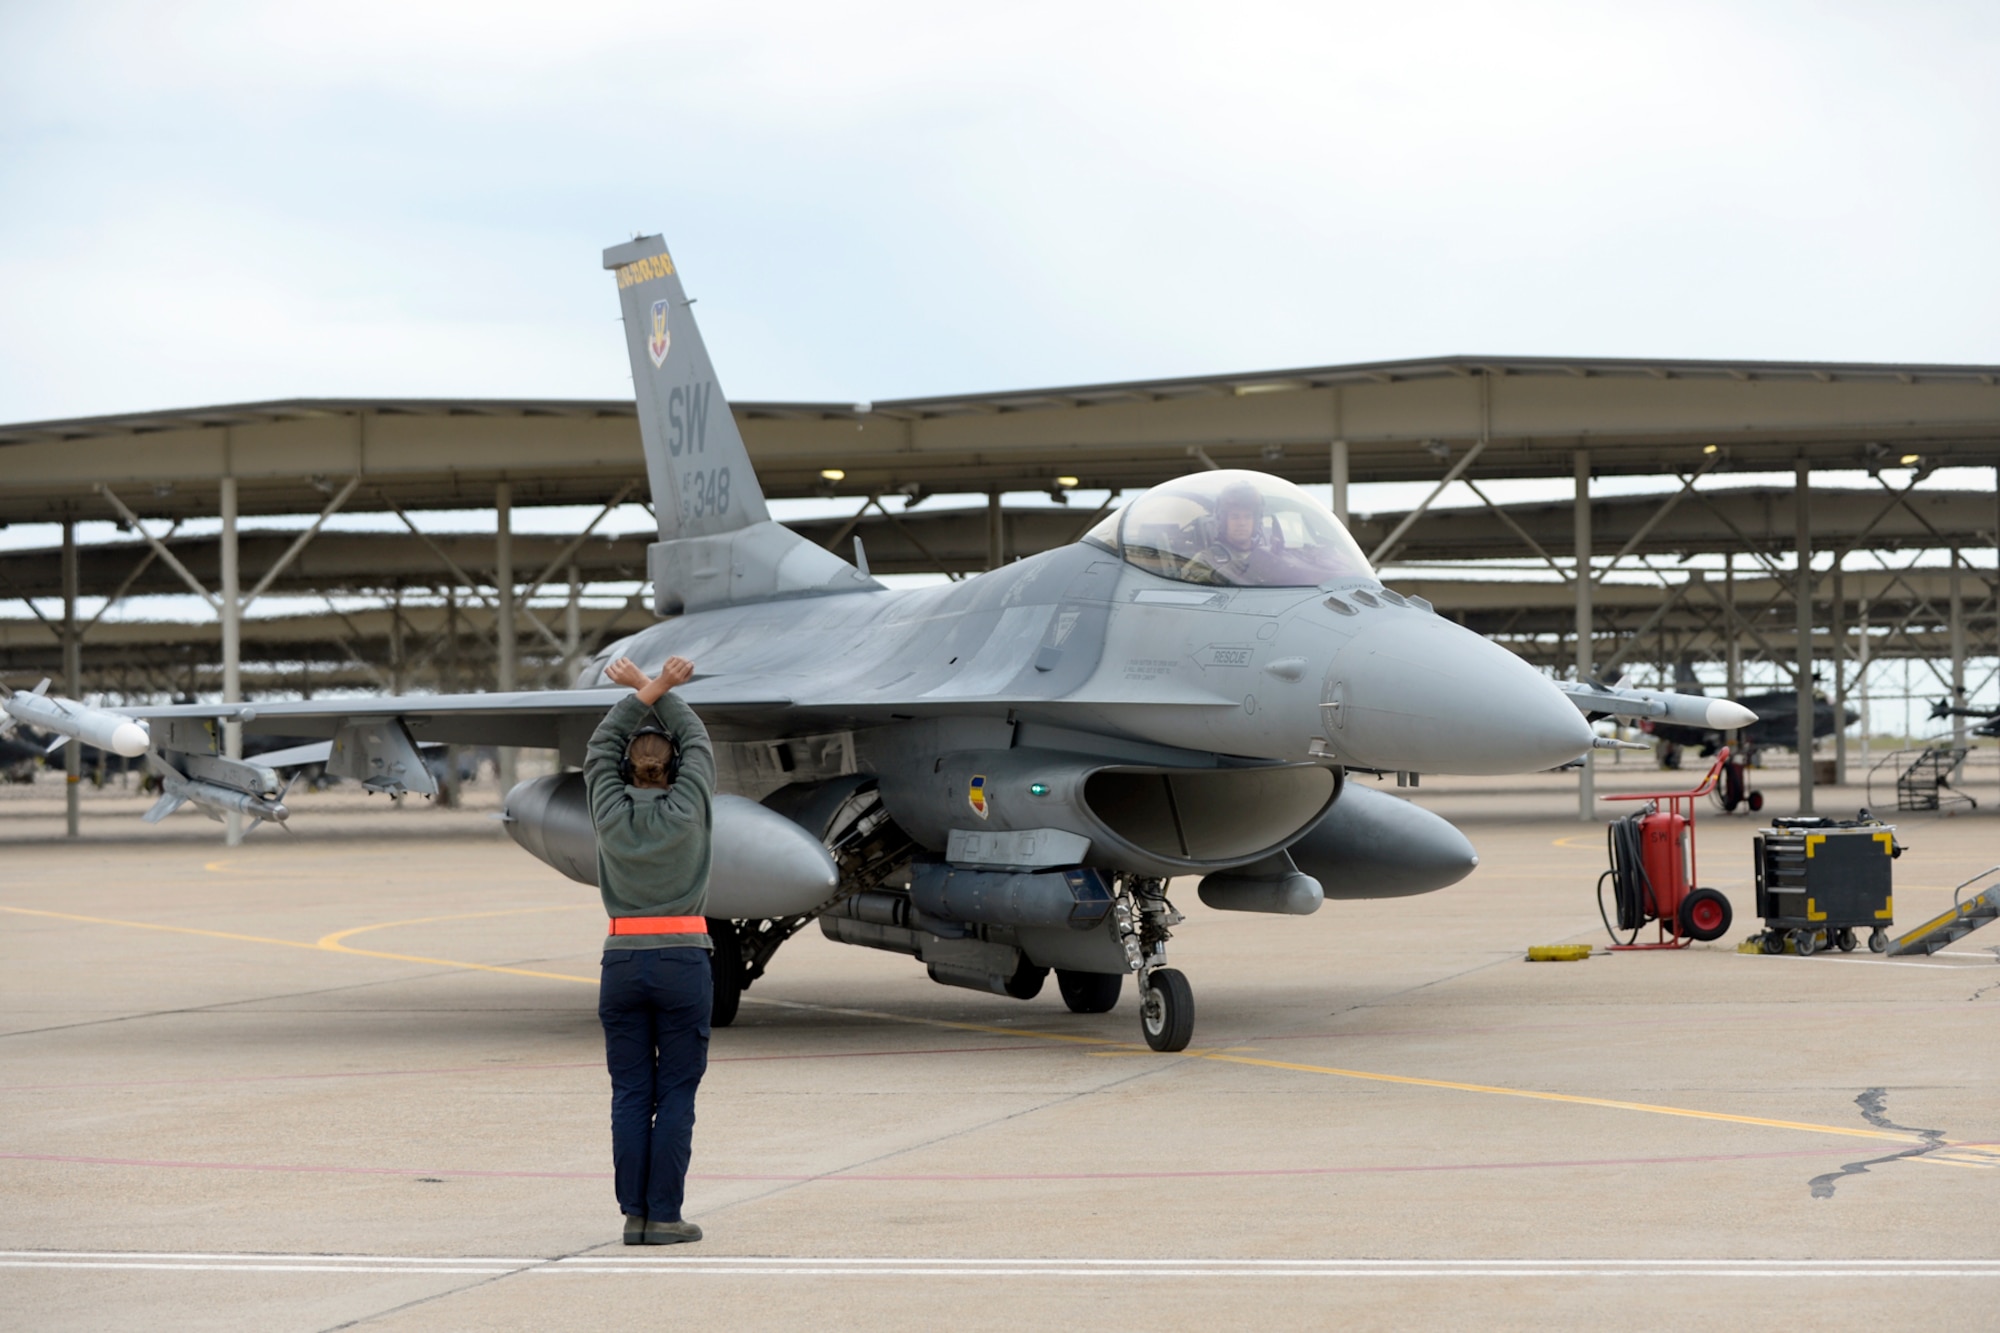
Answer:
(997, 777)
(1988, 718)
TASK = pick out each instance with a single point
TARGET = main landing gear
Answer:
(1144, 920)
(1089, 992)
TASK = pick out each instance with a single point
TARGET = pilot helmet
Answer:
(1240, 495)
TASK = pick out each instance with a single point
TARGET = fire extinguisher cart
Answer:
(1820, 880)
(1652, 872)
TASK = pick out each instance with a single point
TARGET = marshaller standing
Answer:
(650, 775)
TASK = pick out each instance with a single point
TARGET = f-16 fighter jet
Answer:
(999, 777)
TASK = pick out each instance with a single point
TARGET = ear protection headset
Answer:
(650, 729)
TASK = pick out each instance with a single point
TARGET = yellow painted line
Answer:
(331, 944)
(1571, 1098)
(1932, 1159)
(1596, 842)
(153, 925)
(1223, 1056)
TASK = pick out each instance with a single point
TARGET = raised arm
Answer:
(651, 701)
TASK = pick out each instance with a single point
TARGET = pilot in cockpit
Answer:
(1238, 547)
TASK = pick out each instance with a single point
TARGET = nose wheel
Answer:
(1166, 1015)
(1166, 1002)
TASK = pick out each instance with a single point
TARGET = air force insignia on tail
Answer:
(657, 345)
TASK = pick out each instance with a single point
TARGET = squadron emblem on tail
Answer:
(661, 340)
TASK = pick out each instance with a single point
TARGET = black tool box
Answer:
(1820, 880)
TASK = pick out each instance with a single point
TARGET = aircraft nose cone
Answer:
(1416, 692)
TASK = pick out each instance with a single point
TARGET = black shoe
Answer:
(635, 1230)
(671, 1233)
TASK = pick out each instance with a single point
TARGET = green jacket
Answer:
(652, 846)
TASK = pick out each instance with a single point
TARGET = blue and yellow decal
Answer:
(975, 794)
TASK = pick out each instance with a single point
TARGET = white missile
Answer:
(1687, 710)
(74, 721)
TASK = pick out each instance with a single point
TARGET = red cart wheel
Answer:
(1705, 915)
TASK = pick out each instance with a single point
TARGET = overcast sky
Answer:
(217, 202)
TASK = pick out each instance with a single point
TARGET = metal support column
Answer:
(72, 650)
(503, 588)
(572, 625)
(1586, 777)
(1861, 677)
(1957, 632)
(1802, 595)
(1837, 634)
(398, 682)
(1733, 664)
(1339, 462)
(993, 530)
(231, 609)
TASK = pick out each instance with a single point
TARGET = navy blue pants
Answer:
(654, 1005)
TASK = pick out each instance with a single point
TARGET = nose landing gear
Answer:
(1166, 1000)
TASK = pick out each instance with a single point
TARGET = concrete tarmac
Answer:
(355, 1078)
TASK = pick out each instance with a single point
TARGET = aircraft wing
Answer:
(542, 718)
(733, 708)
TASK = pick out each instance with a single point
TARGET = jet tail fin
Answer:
(695, 459)
(718, 545)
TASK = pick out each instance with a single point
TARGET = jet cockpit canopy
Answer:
(1235, 528)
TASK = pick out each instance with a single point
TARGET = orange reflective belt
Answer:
(659, 925)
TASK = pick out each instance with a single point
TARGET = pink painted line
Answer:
(297, 1169)
(230, 1080)
(1024, 1044)
(840, 1177)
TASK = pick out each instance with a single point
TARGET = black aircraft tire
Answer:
(1166, 1015)
(726, 968)
(1026, 983)
(1089, 992)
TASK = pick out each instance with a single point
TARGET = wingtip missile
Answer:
(1694, 710)
(69, 719)
(1728, 715)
